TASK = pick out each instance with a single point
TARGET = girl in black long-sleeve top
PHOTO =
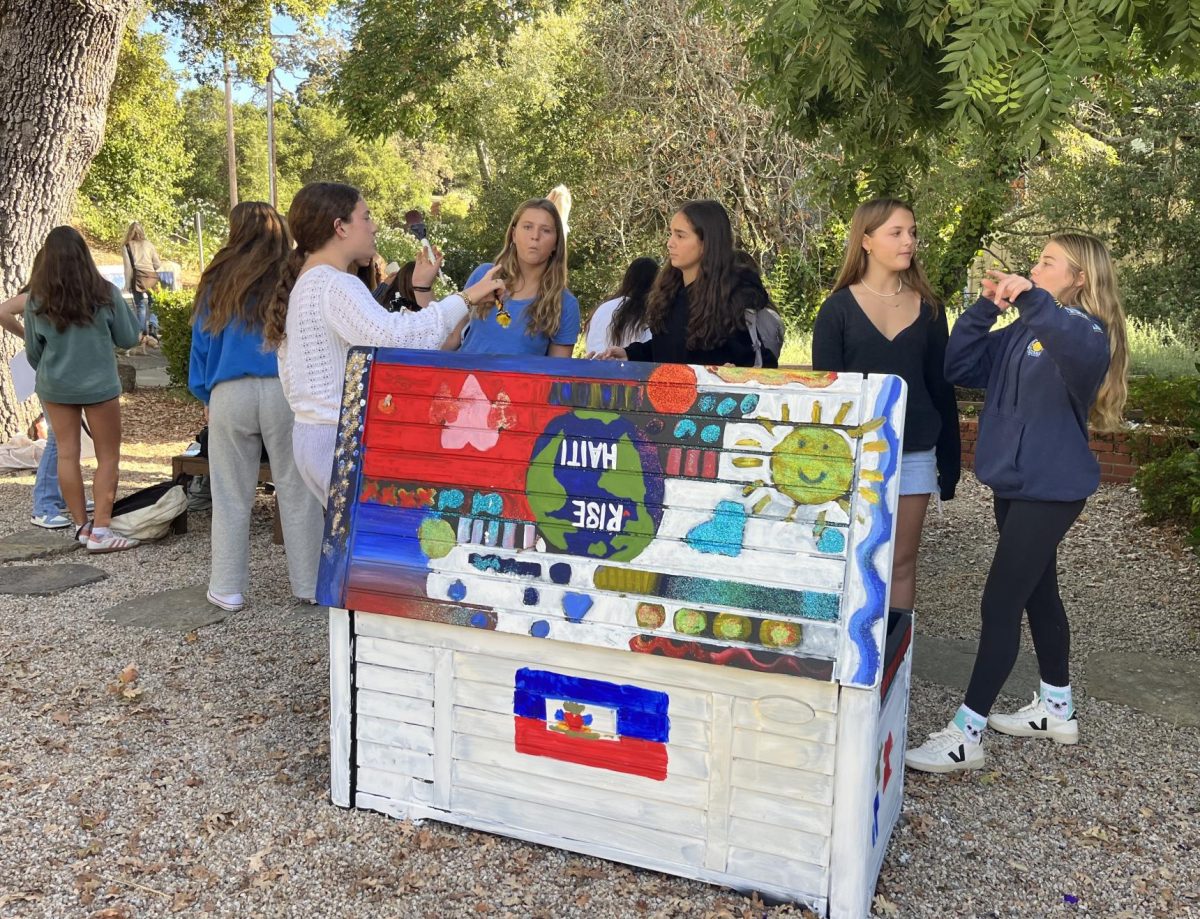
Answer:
(882, 317)
(697, 309)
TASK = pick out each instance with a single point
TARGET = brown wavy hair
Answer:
(869, 217)
(715, 315)
(545, 312)
(1089, 258)
(310, 218)
(65, 284)
(240, 281)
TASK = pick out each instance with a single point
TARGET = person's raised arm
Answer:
(973, 347)
(10, 310)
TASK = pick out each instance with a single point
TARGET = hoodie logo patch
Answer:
(1034, 349)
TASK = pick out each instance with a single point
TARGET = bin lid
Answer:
(733, 516)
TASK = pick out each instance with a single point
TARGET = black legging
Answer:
(1023, 576)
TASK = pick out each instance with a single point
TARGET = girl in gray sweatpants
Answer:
(239, 381)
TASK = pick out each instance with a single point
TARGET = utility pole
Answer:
(200, 238)
(271, 137)
(230, 148)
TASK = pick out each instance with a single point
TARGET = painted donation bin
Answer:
(637, 611)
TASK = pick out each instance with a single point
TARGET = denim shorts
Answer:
(918, 472)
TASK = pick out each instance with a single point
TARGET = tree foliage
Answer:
(405, 52)
(137, 172)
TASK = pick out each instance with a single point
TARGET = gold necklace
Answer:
(864, 283)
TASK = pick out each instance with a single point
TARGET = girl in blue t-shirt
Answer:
(535, 314)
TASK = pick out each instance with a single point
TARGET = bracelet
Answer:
(466, 299)
(423, 290)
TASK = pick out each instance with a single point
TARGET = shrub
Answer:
(174, 309)
(1168, 479)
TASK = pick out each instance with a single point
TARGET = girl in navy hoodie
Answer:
(1060, 365)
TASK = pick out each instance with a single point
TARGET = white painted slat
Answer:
(780, 780)
(393, 786)
(394, 760)
(402, 656)
(807, 755)
(443, 728)
(394, 734)
(785, 812)
(339, 707)
(779, 872)
(822, 728)
(406, 684)
(664, 846)
(386, 679)
(794, 845)
(676, 789)
(654, 814)
(858, 722)
(721, 760)
(397, 708)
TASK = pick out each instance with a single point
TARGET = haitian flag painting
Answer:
(621, 728)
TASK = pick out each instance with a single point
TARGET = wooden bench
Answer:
(198, 465)
(631, 610)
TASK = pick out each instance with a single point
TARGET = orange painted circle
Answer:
(672, 388)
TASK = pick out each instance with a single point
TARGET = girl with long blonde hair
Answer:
(882, 317)
(1060, 364)
(238, 380)
(535, 313)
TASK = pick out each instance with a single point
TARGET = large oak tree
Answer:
(58, 59)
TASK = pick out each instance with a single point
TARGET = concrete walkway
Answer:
(1167, 688)
(151, 368)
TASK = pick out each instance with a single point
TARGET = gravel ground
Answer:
(199, 787)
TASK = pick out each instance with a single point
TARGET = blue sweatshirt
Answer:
(234, 352)
(1042, 374)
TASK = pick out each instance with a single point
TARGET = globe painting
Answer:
(595, 486)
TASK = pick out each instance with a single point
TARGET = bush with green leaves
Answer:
(174, 310)
(1168, 478)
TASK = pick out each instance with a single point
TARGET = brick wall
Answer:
(1111, 450)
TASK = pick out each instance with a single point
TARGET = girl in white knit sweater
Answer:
(320, 312)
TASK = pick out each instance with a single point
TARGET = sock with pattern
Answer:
(970, 723)
(1057, 700)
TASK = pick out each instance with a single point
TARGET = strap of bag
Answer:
(752, 328)
(134, 284)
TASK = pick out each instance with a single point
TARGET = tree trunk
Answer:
(230, 145)
(57, 63)
(983, 207)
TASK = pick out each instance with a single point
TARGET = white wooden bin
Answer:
(481, 671)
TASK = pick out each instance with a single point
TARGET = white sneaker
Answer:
(231, 603)
(51, 521)
(945, 751)
(1035, 720)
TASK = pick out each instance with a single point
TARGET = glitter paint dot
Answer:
(531, 597)
(707, 403)
(749, 404)
(711, 433)
(685, 428)
(457, 591)
(540, 629)
(727, 406)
